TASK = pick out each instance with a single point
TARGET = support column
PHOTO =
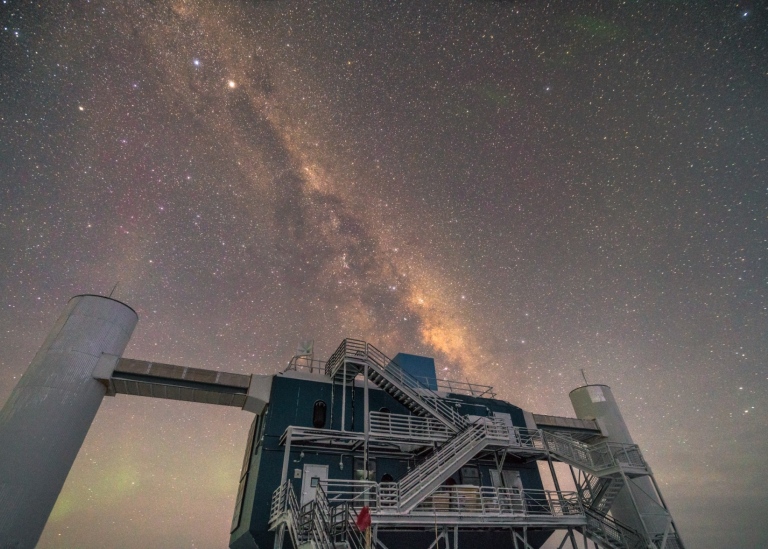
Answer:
(366, 422)
(344, 397)
(286, 456)
(46, 418)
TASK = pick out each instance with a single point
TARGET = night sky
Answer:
(521, 189)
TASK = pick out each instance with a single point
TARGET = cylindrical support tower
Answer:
(46, 418)
(597, 402)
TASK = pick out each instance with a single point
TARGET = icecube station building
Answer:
(437, 463)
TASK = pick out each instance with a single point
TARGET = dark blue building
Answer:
(436, 463)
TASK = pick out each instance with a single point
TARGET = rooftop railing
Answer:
(459, 387)
(306, 364)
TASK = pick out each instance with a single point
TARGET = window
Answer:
(470, 475)
(318, 414)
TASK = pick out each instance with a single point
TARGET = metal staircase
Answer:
(424, 479)
(607, 466)
(611, 534)
(353, 356)
(598, 493)
(602, 459)
(317, 524)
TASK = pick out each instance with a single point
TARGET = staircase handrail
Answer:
(439, 458)
(361, 352)
(285, 508)
(445, 459)
(351, 533)
(321, 520)
(589, 488)
(595, 457)
(614, 530)
(390, 367)
(673, 541)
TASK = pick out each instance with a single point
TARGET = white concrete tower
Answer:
(46, 418)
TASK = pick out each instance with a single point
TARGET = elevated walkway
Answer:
(153, 379)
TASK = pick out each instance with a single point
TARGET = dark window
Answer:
(318, 414)
(470, 475)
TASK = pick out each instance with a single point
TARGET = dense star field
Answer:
(521, 189)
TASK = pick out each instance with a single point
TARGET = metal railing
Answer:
(393, 372)
(611, 532)
(344, 521)
(322, 528)
(306, 364)
(359, 493)
(285, 510)
(531, 439)
(321, 521)
(456, 501)
(360, 352)
(595, 457)
(425, 430)
(409, 428)
(673, 541)
(454, 453)
(349, 349)
(459, 387)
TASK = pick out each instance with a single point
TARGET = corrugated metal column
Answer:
(46, 418)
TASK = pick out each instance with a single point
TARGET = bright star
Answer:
(231, 84)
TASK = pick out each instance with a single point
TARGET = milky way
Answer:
(522, 190)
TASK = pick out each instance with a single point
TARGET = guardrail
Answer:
(456, 501)
(409, 427)
(616, 533)
(360, 352)
(459, 387)
(673, 541)
(484, 431)
(285, 509)
(306, 364)
(595, 457)
(393, 370)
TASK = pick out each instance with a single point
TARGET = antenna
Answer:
(305, 347)
(584, 376)
(114, 288)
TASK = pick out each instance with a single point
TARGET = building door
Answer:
(507, 419)
(312, 476)
(507, 479)
(512, 479)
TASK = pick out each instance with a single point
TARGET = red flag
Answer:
(364, 519)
